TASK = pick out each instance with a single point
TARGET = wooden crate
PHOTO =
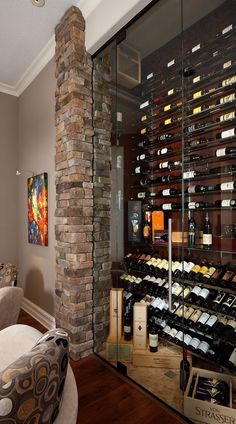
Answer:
(166, 357)
(204, 412)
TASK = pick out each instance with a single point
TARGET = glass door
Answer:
(164, 295)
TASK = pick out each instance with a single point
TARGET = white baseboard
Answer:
(38, 313)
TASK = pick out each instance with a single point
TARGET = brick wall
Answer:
(74, 184)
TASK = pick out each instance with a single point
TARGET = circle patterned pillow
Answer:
(31, 388)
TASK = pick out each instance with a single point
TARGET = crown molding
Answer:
(41, 60)
(8, 89)
(45, 55)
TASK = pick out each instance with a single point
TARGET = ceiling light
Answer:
(38, 3)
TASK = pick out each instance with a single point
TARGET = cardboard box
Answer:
(203, 411)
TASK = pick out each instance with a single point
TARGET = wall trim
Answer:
(38, 313)
(8, 89)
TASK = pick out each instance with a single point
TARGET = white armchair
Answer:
(10, 303)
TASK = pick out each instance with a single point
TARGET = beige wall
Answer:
(8, 179)
(36, 155)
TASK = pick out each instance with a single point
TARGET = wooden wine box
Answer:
(205, 412)
(168, 357)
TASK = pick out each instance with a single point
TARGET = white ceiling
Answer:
(26, 33)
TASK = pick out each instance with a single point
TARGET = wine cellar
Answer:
(172, 306)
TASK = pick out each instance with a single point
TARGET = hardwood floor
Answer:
(107, 397)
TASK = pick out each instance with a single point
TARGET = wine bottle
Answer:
(169, 192)
(232, 359)
(227, 304)
(191, 230)
(203, 348)
(226, 203)
(127, 326)
(217, 302)
(147, 226)
(153, 338)
(192, 174)
(207, 233)
(142, 170)
(195, 316)
(161, 237)
(210, 323)
(184, 370)
(194, 343)
(194, 294)
(194, 143)
(192, 158)
(228, 133)
(165, 137)
(225, 151)
(168, 178)
(230, 185)
(170, 206)
(230, 329)
(202, 321)
(202, 297)
(164, 151)
(207, 276)
(196, 189)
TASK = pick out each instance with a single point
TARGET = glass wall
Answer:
(164, 108)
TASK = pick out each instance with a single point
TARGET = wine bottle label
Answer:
(127, 329)
(163, 151)
(196, 290)
(204, 346)
(166, 192)
(171, 63)
(127, 296)
(144, 118)
(149, 76)
(219, 298)
(144, 104)
(188, 312)
(226, 203)
(166, 206)
(163, 165)
(204, 293)
(173, 332)
(197, 94)
(232, 323)
(178, 291)
(153, 340)
(228, 133)
(141, 195)
(137, 170)
(197, 110)
(203, 270)
(167, 121)
(167, 329)
(167, 107)
(196, 79)
(175, 265)
(222, 320)
(143, 131)
(228, 98)
(174, 287)
(194, 343)
(227, 64)
(207, 239)
(221, 152)
(227, 29)
(203, 318)
(170, 92)
(188, 174)
(189, 266)
(211, 321)
(156, 302)
(186, 291)
(192, 205)
(227, 186)
(232, 357)
(196, 268)
(196, 315)
(229, 81)
(195, 48)
(229, 301)
(180, 336)
(187, 339)
(210, 272)
(227, 116)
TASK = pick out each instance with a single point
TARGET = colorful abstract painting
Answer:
(38, 209)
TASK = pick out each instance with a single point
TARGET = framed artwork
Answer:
(38, 209)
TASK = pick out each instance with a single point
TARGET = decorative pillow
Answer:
(31, 388)
(8, 274)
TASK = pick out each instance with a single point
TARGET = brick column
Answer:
(102, 197)
(74, 186)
